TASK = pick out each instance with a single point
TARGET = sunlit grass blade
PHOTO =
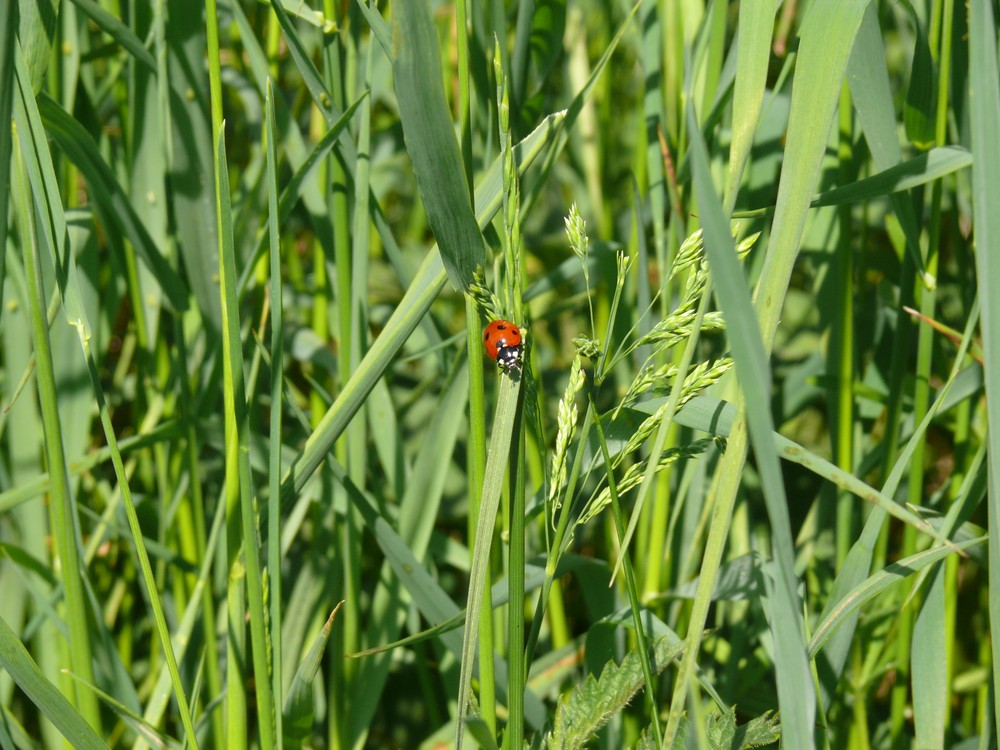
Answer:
(875, 585)
(274, 433)
(496, 469)
(796, 696)
(756, 23)
(238, 447)
(299, 704)
(984, 98)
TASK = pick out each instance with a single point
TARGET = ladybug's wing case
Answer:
(489, 341)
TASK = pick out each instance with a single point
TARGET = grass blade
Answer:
(984, 99)
(795, 687)
(430, 142)
(18, 663)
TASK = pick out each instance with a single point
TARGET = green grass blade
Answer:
(796, 696)
(69, 287)
(430, 142)
(7, 39)
(63, 508)
(16, 660)
(871, 93)
(299, 704)
(875, 585)
(756, 23)
(920, 170)
(37, 34)
(118, 31)
(984, 115)
(496, 468)
(827, 37)
(274, 433)
(929, 665)
(238, 429)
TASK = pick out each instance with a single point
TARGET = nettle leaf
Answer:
(588, 707)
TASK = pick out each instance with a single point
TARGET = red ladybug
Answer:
(503, 343)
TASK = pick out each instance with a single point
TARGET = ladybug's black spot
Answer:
(486, 336)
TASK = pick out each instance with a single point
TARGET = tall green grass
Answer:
(259, 486)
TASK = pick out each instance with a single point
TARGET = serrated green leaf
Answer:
(589, 706)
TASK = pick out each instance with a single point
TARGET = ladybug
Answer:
(502, 340)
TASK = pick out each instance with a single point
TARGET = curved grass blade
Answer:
(875, 585)
(118, 31)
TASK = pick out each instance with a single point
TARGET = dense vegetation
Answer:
(256, 468)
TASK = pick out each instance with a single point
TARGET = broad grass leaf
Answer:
(430, 142)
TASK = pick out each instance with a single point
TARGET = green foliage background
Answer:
(259, 487)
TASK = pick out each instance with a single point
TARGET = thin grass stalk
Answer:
(517, 677)
(841, 356)
(927, 298)
(496, 464)
(921, 399)
(516, 669)
(476, 463)
(357, 431)
(660, 442)
(62, 509)
(931, 668)
(69, 287)
(633, 595)
(652, 33)
(236, 676)
(345, 636)
(559, 538)
(275, 432)
(214, 679)
(8, 37)
(238, 434)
